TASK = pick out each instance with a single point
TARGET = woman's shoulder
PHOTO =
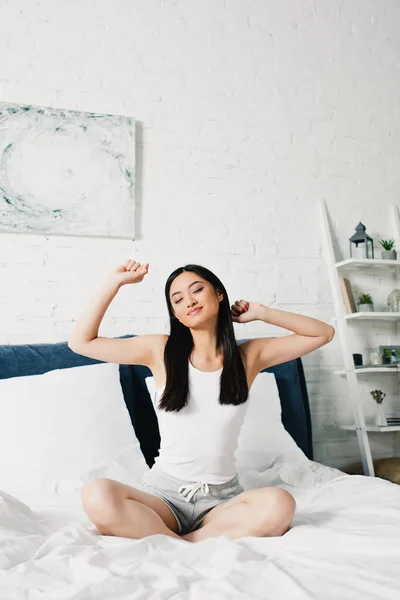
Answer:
(162, 339)
(159, 345)
(247, 348)
(158, 367)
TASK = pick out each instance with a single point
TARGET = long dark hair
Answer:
(234, 387)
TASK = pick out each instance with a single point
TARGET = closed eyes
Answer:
(195, 292)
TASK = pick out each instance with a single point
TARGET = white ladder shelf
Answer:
(343, 320)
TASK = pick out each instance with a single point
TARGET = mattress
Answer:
(344, 543)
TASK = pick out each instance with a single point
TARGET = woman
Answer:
(202, 378)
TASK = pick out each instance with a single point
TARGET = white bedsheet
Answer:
(344, 544)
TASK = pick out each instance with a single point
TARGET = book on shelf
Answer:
(347, 295)
(393, 418)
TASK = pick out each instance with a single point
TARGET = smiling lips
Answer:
(195, 310)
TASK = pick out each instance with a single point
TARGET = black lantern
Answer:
(362, 237)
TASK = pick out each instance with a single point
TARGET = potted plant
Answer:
(389, 253)
(365, 303)
(380, 419)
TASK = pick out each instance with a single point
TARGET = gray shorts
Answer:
(189, 501)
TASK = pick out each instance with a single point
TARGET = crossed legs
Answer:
(119, 509)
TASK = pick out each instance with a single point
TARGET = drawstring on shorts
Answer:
(188, 491)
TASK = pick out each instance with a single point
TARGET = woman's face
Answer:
(190, 292)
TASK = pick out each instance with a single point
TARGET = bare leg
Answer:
(136, 520)
(259, 513)
(118, 509)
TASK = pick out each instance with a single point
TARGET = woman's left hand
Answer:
(245, 312)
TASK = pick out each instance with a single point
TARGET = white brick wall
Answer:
(248, 112)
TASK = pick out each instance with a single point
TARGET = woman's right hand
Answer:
(130, 272)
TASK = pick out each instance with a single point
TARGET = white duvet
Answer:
(344, 544)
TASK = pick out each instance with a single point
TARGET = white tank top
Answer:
(198, 443)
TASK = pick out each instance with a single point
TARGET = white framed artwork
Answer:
(66, 172)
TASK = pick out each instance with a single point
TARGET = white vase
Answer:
(366, 308)
(380, 419)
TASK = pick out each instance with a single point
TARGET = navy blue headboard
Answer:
(34, 359)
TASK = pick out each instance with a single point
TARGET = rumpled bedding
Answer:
(344, 543)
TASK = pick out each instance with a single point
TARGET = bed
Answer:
(343, 543)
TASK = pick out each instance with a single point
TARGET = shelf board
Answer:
(382, 369)
(373, 428)
(385, 315)
(355, 263)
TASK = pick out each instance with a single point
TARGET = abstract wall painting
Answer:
(66, 172)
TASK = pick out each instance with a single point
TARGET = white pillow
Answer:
(262, 438)
(64, 428)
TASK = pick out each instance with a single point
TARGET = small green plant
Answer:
(387, 244)
(378, 396)
(365, 299)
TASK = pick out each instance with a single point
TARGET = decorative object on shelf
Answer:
(375, 357)
(347, 295)
(365, 303)
(366, 243)
(380, 419)
(393, 301)
(390, 354)
(358, 360)
(388, 253)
